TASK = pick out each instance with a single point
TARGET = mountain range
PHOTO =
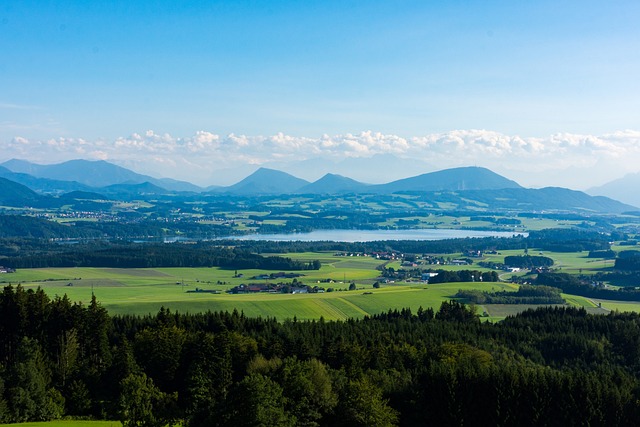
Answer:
(270, 181)
(90, 174)
(624, 189)
(106, 180)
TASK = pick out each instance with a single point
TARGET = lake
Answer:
(375, 235)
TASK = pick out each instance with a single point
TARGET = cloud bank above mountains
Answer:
(205, 158)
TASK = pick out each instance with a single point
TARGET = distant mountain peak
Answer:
(93, 173)
(623, 189)
(267, 181)
(332, 183)
(454, 179)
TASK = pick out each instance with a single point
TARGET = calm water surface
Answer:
(374, 235)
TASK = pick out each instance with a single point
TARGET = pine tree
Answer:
(31, 397)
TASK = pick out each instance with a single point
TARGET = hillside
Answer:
(42, 185)
(527, 199)
(88, 173)
(92, 173)
(465, 178)
(82, 195)
(130, 189)
(466, 187)
(18, 195)
(623, 189)
(26, 227)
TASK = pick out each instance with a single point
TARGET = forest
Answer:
(527, 261)
(526, 294)
(552, 365)
(447, 276)
(151, 255)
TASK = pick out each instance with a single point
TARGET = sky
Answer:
(544, 92)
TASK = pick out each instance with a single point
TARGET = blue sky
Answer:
(96, 72)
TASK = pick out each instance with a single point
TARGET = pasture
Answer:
(143, 291)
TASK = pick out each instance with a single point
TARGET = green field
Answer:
(143, 291)
(609, 305)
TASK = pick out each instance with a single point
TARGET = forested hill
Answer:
(556, 366)
(20, 226)
(14, 194)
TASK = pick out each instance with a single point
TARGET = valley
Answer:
(276, 270)
(319, 214)
(192, 290)
(138, 249)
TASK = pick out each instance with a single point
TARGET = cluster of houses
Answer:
(473, 253)
(203, 291)
(412, 262)
(99, 215)
(384, 256)
(275, 288)
(6, 270)
(538, 270)
(273, 276)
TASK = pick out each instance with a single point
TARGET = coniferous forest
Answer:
(319, 213)
(557, 366)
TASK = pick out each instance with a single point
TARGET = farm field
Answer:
(609, 305)
(402, 203)
(567, 262)
(143, 291)
(571, 262)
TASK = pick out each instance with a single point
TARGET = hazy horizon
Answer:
(573, 161)
(544, 93)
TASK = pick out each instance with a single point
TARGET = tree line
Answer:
(120, 226)
(141, 255)
(444, 367)
(586, 287)
(526, 294)
(448, 276)
(527, 261)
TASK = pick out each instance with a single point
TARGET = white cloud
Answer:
(18, 140)
(99, 155)
(595, 159)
